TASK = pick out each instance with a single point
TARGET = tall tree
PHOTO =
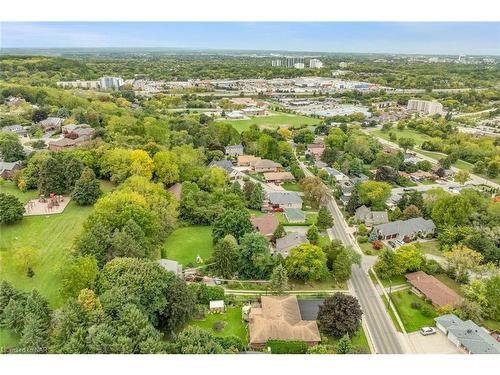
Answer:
(10, 147)
(87, 188)
(233, 222)
(307, 263)
(324, 220)
(11, 209)
(340, 315)
(279, 280)
(35, 336)
(225, 257)
(51, 177)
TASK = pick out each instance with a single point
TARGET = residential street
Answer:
(379, 325)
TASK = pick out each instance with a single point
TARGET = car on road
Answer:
(426, 331)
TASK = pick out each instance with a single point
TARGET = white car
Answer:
(426, 331)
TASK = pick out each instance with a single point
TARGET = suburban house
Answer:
(7, 170)
(235, 115)
(422, 175)
(433, 290)
(316, 150)
(254, 111)
(285, 244)
(18, 129)
(279, 318)
(265, 165)
(227, 166)
(285, 199)
(245, 160)
(234, 150)
(265, 225)
(467, 335)
(51, 123)
(63, 143)
(171, 266)
(366, 215)
(406, 230)
(346, 187)
(339, 176)
(278, 177)
(176, 190)
(74, 131)
(295, 215)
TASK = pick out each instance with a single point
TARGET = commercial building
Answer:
(425, 107)
(103, 83)
(315, 64)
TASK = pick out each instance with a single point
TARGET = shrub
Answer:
(362, 239)
(287, 347)
(377, 244)
(232, 343)
(415, 305)
(219, 325)
(427, 311)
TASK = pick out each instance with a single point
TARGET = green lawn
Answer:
(358, 340)
(235, 326)
(397, 280)
(186, 243)
(52, 237)
(8, 339)
(274, 120)
(492, 325)
(311, 218)
(390, 312)
(429, 247)
(406, 133)
(412, 318)
(9, 187)
(290, 186)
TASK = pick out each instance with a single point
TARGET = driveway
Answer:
(433, 344)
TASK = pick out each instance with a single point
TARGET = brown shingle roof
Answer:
(279, 319)
(278, 176)
(176, 190)
(266, 225)
(433, 289)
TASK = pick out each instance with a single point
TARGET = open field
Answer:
(51, 236)
(234, 324)
(412, 319)
(274, 120)
(186, 243)
(9, 187)
(406, 133)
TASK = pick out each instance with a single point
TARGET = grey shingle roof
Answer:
(472, 337)
(281, 197)
(224, 164)
(406, 227)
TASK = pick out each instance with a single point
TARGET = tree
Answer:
(342, 265)
(256, 197)
(141, 164)
(35, 335)
(373, 193)
(344, 346)
(180, 306)
(424, 165)
(72, 170)
(452, 210)
(313, 234)
(324, 220)
(315, 191)
(279, 232)
(462, 177)
(279, 280)
(386, 266)
(80, 274)
(307, 263)
(194, 340)
(165, 168)
(492, 295)
(26, 258)
(406, 143)
(408, 258)
(233, 222)
(340, 315)
(445, 162)
(214, 178)
(51, 177)
(493, 169)
(462, 261)
(411, 211)
(255, 261)
(87, 188)
(11, 209)
(11, 147)
(225, 257)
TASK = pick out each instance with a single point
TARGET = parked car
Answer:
(278, 209)
(426, 331)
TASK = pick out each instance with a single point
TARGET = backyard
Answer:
(186, 243)
(274, 120)
(359, 340)
(429, 247)
(234, 324)
(413, 318)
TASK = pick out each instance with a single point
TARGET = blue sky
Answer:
(369, 37)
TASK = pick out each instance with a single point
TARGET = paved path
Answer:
(380, 329)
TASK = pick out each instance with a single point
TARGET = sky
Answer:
(471, 38)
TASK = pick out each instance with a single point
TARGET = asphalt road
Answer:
(381, 329)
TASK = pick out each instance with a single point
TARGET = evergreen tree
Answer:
(256, 197)
(344, 346)
(72, 170)
(11, 209)
(279, 280)
(313, 234)
(35, 336)
(51, 177)
(342, 266)
(279, 232)
(225, 257)
(325, 219)
(87, 188)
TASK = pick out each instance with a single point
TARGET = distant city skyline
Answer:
(443, 38)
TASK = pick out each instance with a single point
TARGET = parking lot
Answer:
(432, 344)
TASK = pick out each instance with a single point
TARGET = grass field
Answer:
(290, 186)
(429, 247)
(359, 340)
(186, 243)
(51, 236)
(406, 133)
(235, 326)
(412, 319)
(274, 120)
(9, 187)
(7, 339)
